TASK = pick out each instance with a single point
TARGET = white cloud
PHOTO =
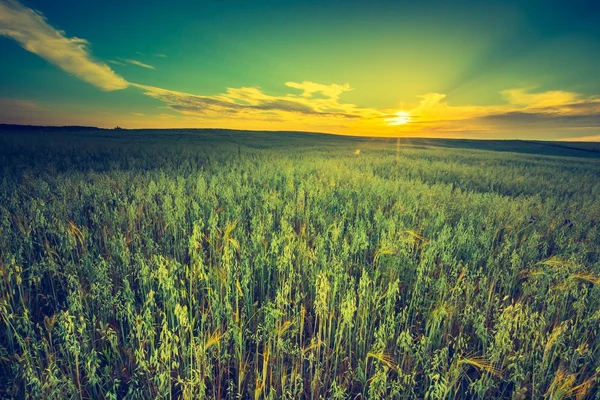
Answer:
(31, 30)
(139, 63)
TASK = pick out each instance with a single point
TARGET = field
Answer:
(223, 264)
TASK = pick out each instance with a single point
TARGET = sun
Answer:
(402, 117)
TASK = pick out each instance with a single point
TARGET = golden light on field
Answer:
(401, 118)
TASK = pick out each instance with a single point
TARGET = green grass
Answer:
(223, 264)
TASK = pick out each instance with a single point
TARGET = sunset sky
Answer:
(471, 69)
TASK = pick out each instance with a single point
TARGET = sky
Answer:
(523, 69)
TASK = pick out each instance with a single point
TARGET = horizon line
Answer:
(120, 128)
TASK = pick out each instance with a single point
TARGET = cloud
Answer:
(430, 100)
(332, 91)
(139, 63)
(13, 105)
(555, 109)
(31, 30)
(18, 111)
(252, 103)
(547, 99)
(434, 109)
(124, 61)
(524, 109)
(116, 62)
(285, 105)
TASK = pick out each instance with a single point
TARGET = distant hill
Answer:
(276, 139)
(38, 128)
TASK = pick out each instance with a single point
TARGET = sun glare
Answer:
(402, 117)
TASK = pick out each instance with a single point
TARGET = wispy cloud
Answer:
(31, 30)
(555, 109)
(529, 99)
(116, 62)
(17, 104)
(159, 55)
(138, 63)
(252, 103)
(19, 111)
(332, 91)
(124, 61)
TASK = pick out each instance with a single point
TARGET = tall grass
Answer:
(198, 266)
